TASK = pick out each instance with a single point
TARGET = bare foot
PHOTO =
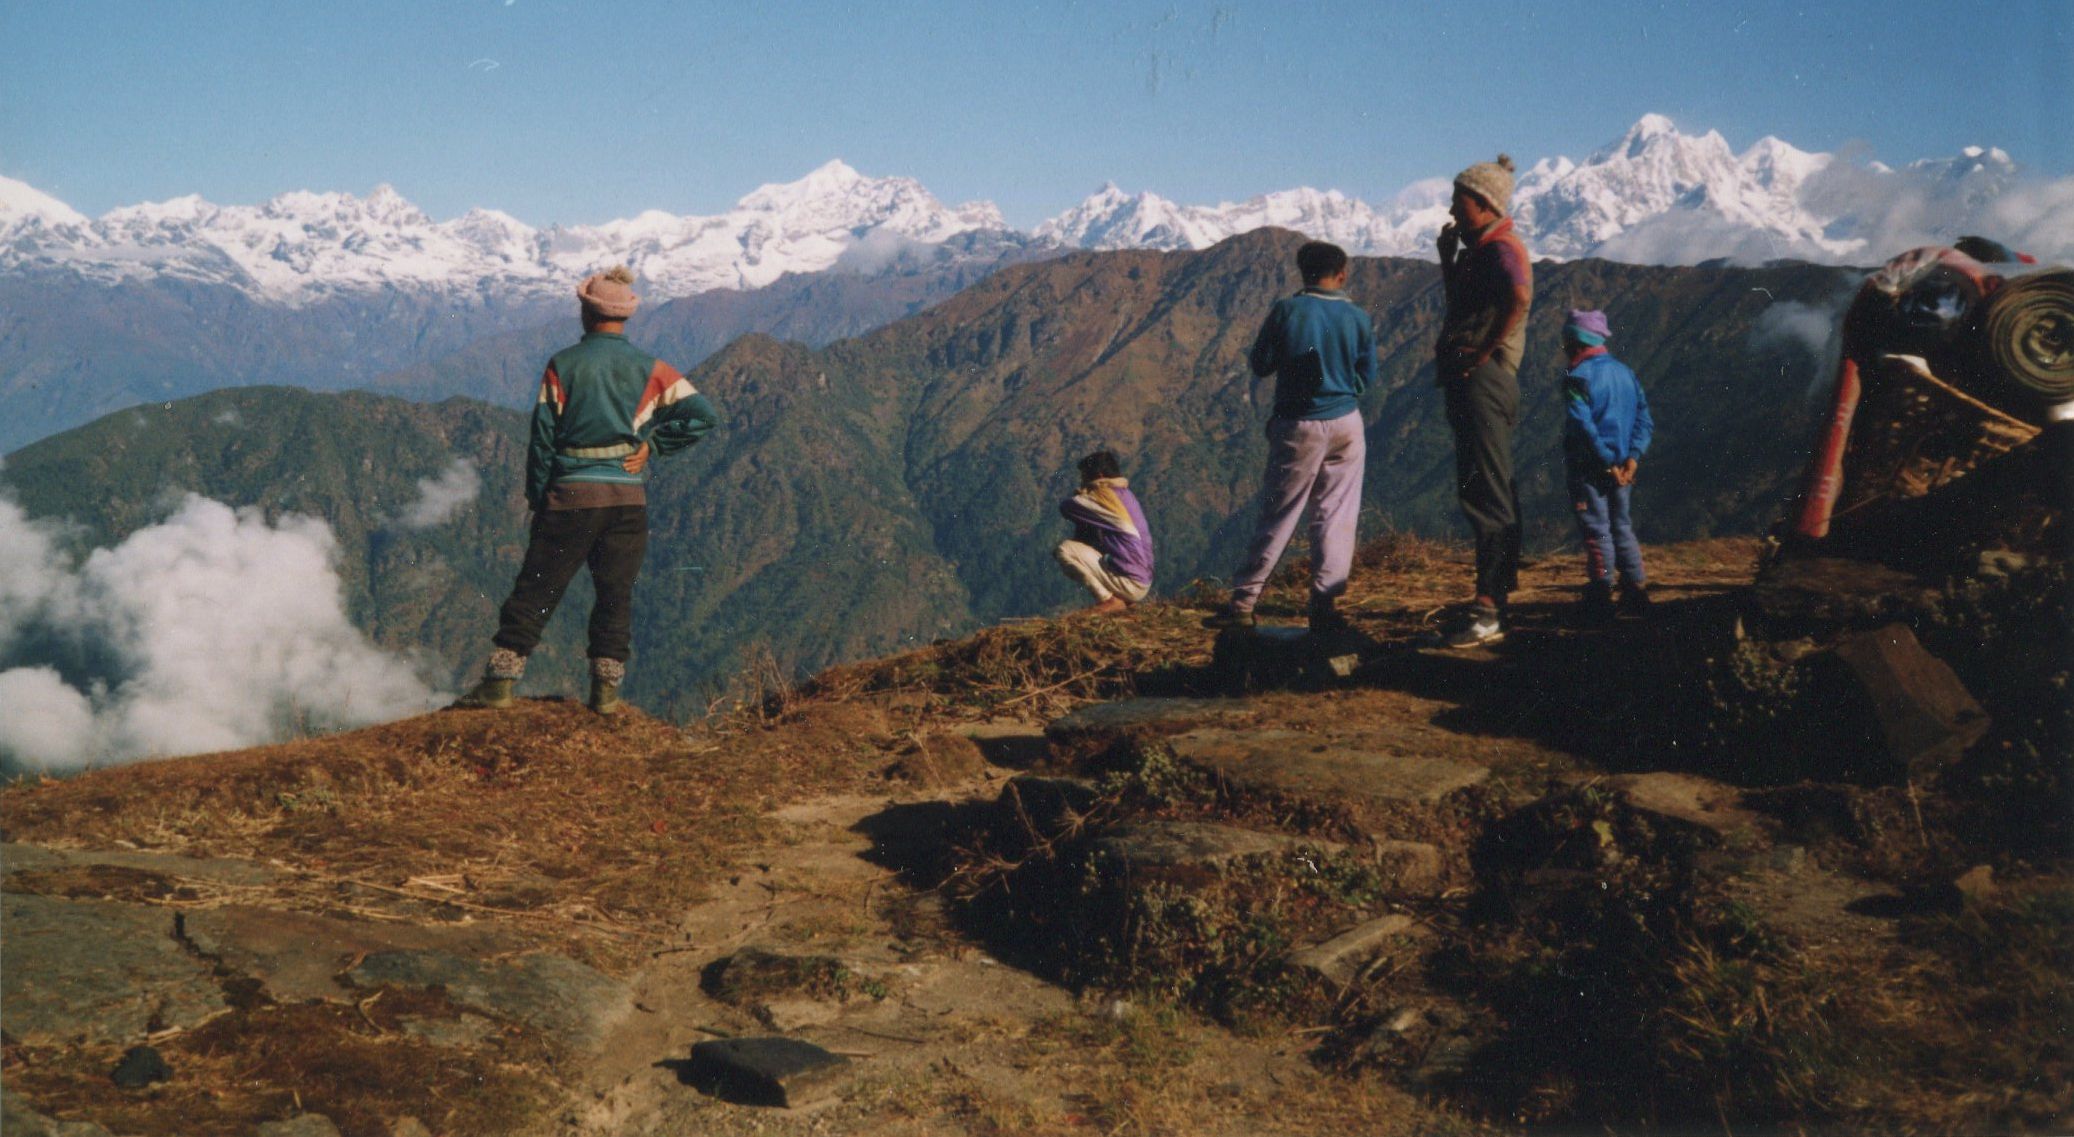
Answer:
(1109, 607)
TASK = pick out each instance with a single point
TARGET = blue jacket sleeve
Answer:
(1266, 355)
(1645, 426)
(1579, 424)
(1364, 360)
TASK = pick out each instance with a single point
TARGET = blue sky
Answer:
(556, 111)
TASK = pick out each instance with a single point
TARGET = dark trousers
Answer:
(611, 540)
(1482, 409)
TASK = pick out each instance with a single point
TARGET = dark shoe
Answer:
(1596, 610)
(1634, 600)
(1328, 620)
(490, 694)
(1482, 627)
(1229, 616)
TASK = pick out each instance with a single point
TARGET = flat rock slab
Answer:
(1327, 766)
(1146, 715)
(1185, 844)
(1689, 798)
(782, 1072)
(297, 956)
(571, 1003)
(221, 870)
(1344, 957)
(97, 971)
(1048, 801)
(1927, 715)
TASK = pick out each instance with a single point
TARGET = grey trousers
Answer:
(1482, 410)
(1312, 466)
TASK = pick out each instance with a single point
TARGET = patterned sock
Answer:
(505, 664)
(608, 670)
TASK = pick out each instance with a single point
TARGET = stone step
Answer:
(775, 1071)
(1189, 844)
(1372, 767)
(1344, 957)
(1144, 716)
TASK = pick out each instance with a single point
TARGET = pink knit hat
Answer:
(609, 295)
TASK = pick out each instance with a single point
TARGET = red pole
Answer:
(1825, 476)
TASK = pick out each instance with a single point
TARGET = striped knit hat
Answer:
(609, 295)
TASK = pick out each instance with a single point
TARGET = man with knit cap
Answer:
(604, 408)
(1488, 281)
(1605, 431)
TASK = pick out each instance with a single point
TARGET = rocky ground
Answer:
(1087, 875)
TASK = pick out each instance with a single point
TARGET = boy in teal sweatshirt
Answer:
(604, 408)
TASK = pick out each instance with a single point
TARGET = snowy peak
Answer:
(1654, 195)
(21, 202)
(303, 245)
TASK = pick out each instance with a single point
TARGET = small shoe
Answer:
(1483, 627)
(1634, 600)
(490, 694)
(1596, 609)
(1230, 616)
(1328, 620)
(1115, 605)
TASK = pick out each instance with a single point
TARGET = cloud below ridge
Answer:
(211, 630)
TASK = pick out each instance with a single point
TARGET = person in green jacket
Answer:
(605, 407)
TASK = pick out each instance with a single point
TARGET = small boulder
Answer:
(140, 1067)
(783, 1072)
(302, 1125)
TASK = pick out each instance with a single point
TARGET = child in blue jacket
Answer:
(1604, 436)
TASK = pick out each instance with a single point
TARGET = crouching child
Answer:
(1110, 553)
(1605, 433)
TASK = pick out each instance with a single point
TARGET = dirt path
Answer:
(943, 1038)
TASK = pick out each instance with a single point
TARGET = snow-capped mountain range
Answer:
(1656, 195)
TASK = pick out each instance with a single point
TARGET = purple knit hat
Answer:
(1591, 322)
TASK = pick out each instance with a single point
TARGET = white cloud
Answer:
(211, 630)
(440, 498)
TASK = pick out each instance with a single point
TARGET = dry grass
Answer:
(354, 1064)
(544, 816)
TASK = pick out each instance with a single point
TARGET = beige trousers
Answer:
(1084, 563)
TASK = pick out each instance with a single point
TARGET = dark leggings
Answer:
(1482, 409)
(611, 540)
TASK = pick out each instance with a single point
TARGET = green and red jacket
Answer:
(602, 395)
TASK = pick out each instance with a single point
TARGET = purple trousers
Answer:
(1313, 467)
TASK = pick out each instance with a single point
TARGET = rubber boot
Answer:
(491, 693)
(605, 677)
(499, 676)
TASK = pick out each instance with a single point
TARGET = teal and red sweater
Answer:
(605, 392)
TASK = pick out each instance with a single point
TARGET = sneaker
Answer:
(1229, 616)
(1596, 609)
(1634, 600)
(1483, 627)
